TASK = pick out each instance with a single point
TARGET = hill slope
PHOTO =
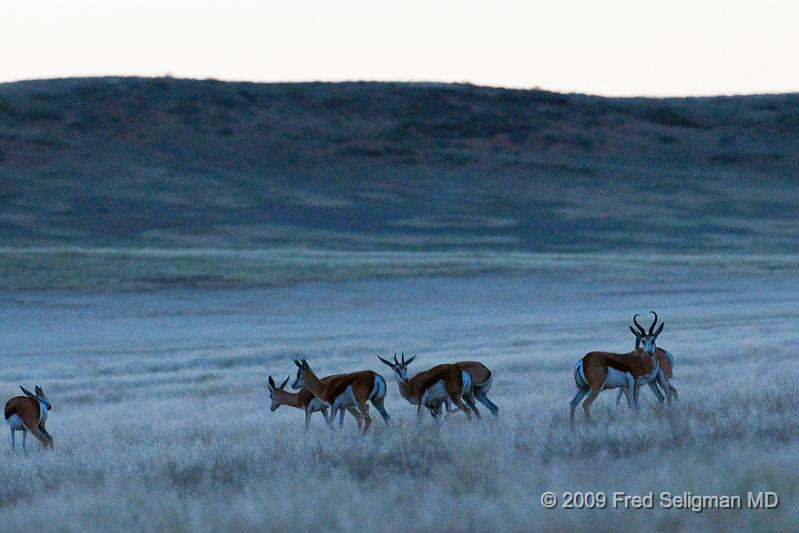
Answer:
(166, 162)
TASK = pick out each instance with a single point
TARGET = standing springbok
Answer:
(665, 360)
(29, 413)
(345, 390)
(305, 400)
(597, 371)
(482, 379)
(430, 388)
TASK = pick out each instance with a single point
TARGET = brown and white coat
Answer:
(597, 371)
(666, 363)
(432, 387)
(28, 414)
(305, 400)
(345, 390)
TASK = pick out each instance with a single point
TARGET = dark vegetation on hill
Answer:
(168, 162)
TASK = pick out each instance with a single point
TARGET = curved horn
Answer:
(652, 327)
(395, 359)
(640, 328)
(283, 385)
(403, 358)
(385, 362)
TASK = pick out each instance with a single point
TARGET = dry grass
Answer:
(161, 418)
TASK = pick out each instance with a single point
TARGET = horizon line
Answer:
(396, 81)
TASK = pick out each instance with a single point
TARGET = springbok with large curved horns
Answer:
(441, 383)
(665, 360)
(597, 371)
(345, 390)
(29, 413)
(305, 400)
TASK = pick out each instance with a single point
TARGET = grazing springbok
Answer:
(666, 362)
(345, 390)
(597, 371)
(482, 379)
(29, 413)
(305, 400)
(430, 388)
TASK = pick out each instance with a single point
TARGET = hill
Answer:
(134, 162)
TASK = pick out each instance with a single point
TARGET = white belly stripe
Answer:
(437, 391)
(346, 398)
(616, 379)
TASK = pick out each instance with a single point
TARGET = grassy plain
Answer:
(161, 419)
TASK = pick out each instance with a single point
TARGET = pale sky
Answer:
(610, 47)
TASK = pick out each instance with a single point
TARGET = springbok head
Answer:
(38, 396)
(644, 337)
(302, 373)
(400, 367)
(276, 392)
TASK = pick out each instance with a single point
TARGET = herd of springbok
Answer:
(434, 389)
(464, 382)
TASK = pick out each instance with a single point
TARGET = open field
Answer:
(121, 269)
(161, 419)
(167, 244)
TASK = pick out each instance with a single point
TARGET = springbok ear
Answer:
(633, 331)
(385, 362)
(271, 383)
(27, 392)
(660, 329)
(296, 362)
(283, 385)
(409, 361)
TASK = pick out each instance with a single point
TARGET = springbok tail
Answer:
(579, 376)
(467, 383)
(379, 391)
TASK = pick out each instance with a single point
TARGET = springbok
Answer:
(482, 379)
(345, 390)
(305, 400)
(430, 388)
(597, 371)
(29, 413)
(665, 360)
